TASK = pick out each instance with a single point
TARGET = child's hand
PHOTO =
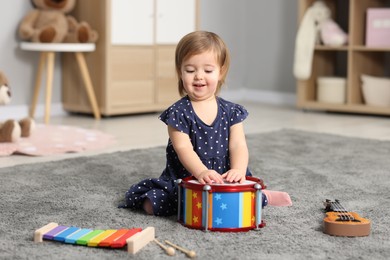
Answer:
(210, 177)
(234, 175)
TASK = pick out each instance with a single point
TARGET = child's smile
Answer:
(198, 85)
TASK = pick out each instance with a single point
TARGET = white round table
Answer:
(47, 56)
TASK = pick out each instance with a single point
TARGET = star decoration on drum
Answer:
(223, 206)
(218, 221)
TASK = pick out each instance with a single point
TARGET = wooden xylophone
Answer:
(135, 238)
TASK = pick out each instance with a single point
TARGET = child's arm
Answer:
(238, 151)
(190, 160)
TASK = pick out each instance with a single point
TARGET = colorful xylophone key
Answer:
(96, 238)
(63, 235)
(72, 239)
(84, 239)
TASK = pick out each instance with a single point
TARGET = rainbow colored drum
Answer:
(229, 207)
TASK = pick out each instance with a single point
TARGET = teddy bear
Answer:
(11, 130)
(50, 22)
(317, 26)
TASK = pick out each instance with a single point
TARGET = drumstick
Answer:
(189, 253)
(168, 250)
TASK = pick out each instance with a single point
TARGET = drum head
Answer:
(249, 184)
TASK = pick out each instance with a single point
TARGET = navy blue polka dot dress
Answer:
(209, 141)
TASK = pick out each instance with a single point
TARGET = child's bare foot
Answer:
(277, 198)
(148, 207)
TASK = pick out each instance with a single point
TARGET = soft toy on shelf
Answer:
(317, 26)
(11, 130)
(49, 22)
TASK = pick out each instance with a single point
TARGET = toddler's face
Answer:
(200, 75)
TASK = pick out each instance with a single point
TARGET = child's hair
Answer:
(196, 43)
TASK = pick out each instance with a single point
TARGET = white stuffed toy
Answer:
(317, 26)
(11, 130)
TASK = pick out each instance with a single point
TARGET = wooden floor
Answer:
(141, 131)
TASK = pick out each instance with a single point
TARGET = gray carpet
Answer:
(311, 167)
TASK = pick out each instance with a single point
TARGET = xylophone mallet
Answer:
(169, 250)
(189, 253)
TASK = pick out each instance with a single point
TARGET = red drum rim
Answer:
(235, 229)
(185, 183)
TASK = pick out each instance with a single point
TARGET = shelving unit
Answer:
(350, 61)
(133, 67)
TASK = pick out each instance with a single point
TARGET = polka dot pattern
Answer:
(210, 142)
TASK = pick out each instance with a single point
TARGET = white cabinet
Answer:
(133, 68)
(148, 22)
(132, 22)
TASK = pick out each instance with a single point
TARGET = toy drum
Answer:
(229, 207)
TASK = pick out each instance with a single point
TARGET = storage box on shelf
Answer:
(331, 89)
(376, 91)
(133, 68)
(350, 61)
(378, 27)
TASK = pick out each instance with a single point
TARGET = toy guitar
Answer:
(340, 222)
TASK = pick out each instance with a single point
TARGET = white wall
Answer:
(261, 37)
(259, 33)
(270, 45)
(227, 19)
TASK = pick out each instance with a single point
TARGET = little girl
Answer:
(206, 134)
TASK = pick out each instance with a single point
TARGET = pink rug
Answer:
(52, 139)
